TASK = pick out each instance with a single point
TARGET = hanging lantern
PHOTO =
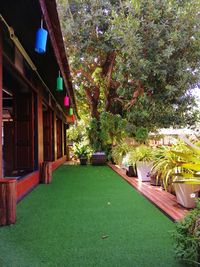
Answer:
(41, 40)
(71, 111)
(59, 83)
(66, 101)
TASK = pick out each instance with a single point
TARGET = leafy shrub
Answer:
(187, 238)
(94, 135)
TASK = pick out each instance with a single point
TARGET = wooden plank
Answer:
(165, 201)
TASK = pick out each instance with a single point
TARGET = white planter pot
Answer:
(186, 194)
(143, 170)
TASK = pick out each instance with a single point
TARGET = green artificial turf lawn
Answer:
(88, 216)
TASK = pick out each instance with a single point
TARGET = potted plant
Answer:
(129, 163)
(144, 162)
(119, 151)
(178, 167)
(82, 152)
(187, 182)
(164, 167)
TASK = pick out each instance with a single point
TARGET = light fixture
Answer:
(59, 83)
(41, 39)
(66, 101)
(71, 111)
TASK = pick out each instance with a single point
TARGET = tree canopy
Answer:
(136, 58)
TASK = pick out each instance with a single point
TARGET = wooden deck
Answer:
(165, 201)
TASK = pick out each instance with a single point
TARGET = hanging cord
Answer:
(41, 23)
(17, 43)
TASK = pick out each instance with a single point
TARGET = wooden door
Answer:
(24, 132)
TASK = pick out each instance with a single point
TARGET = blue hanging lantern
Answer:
(41, 40)
(59, 83)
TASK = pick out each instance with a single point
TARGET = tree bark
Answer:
(92, 95)
(111, 86)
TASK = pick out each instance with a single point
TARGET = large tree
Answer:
(91, 52)
(136, 58)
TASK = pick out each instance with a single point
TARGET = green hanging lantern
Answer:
(71, 111)
(59, 84)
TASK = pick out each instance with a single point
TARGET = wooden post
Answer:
(7, 201)
(1, 90)
(55, 135)
(46, 172)
(40, 133)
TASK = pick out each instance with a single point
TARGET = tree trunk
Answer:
(94, 110)
(92, 95)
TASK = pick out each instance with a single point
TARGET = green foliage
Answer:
(130, 159)
(156, 63)
(165, 166)
(81, 150)
(109, 130)
(143, 153)
(112, 128)
(187, 237)
(94, 135)
(77, 133)
(158, 42)
(141, 134)
(119, 151)
(179, 163)
(189, 161)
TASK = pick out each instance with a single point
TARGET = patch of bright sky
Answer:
(196, 93)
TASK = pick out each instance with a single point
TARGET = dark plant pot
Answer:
(83, 161)
(154, 180)
(131, 172)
